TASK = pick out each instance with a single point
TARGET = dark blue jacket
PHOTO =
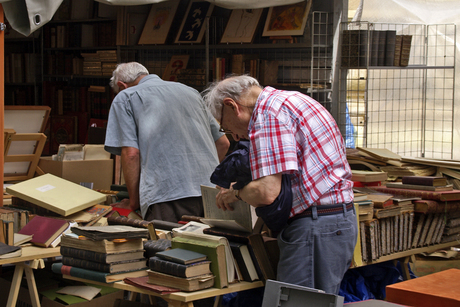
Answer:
(236, 168)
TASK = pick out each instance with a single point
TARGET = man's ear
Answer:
(228, 102)
(122, 85)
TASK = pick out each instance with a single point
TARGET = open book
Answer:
(239, 219)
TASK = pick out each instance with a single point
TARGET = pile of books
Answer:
(103, 253)
(180, 268)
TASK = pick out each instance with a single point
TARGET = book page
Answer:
(241, 214)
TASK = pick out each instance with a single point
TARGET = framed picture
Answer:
(158, 22)
(241, 26)
(176, 63)
(287, 19)
(193, 25)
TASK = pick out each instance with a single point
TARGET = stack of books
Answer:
(180, 268)
(102, 256)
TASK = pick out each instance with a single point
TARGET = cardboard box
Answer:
(107, 300)
(99, 172)
(428, 265)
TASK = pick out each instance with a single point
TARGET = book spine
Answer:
(83, 254)
(85, 264)
(60, 268)
(123, 220)
(167, 267)
(240, 261)
(231, 236)
(390, 47)
(418, 180)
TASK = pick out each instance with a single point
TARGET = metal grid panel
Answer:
(408, 110)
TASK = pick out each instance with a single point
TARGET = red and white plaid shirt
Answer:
(292, 133)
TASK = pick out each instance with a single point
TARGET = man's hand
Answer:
(224, 198)
(124, 204)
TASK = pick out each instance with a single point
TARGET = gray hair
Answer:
(233, 87)
(126, 72)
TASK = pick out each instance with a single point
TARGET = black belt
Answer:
(322, 210)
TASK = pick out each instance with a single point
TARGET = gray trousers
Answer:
(172, 211)
(316, 253)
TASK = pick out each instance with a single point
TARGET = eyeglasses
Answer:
(221, 120)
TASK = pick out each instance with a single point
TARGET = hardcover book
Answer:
(243, 258)
(102, 246)
(56, 194)
(431, 195)
(400, 185)
(432, 206)
(215, 252)
(177, 269)
(114, 267)
(44, 229)
(101, 257)
(111, 232)
(181, 256)
(59, 268)
(425, 180)
(185, 284)
(368, 176)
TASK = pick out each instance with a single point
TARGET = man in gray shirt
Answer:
(168, 141)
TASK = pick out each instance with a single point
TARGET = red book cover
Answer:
(44, 229)
(431, 195)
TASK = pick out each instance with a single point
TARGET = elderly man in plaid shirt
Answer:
(291, 133)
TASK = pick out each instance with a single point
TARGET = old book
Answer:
(383, 236)
(441, 231)
(368, 176)
(419, 220)
(426, 227)
(405, 50)
(56, 194)
(243, 258)
(432, 206)
(9, 251)
(185, 284)
(123, 220)
(7, 232)
(181, 256)
(371, 241)
(233, 273)
(110, 232)
(19, 239)
(362, 234)
(142, 282)
(215, 252)
(91, 215)
(400, 185)
(177, 269)
(239, 219)
(114, 267)
(387, 212)
(390, 45)
(101, 257)
(44, 229)
(430, 195)
(125, 212)
(406, 231)
(373, 61)
(104, 277)
(366, 211)
(379, 199)
(425, 180)
(151, 247)
(410, 229)
(102, 246)
(397, 59)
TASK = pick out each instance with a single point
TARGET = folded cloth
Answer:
(235, 168)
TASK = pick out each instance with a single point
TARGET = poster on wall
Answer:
(241, 26)
(158, 23)
(193, 25)
(287, 19)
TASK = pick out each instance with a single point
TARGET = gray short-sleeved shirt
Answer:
(174, 132)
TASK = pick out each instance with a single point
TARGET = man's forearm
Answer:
(130, 161)
(263, 191)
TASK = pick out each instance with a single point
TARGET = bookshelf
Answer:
(305, 62)
(406, 108)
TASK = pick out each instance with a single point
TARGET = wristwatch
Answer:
(237, 194)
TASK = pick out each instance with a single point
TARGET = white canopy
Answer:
(26, 16)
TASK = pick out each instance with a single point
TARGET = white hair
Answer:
(127, 72)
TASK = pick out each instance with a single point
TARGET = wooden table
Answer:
(180, 299)
(32, 258)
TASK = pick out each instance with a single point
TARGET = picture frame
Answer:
(176, 63)
(241, 26)
(285, 20)
(158, 23)
(193, 25)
